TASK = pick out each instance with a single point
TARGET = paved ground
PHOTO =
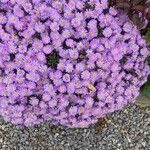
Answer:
(127, 130)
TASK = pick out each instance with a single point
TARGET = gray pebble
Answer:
(128, 129)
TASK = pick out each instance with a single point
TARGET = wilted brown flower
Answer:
(137, 10)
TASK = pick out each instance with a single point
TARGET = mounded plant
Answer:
(68, 62)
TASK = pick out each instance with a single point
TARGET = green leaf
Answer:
(148, 35)
(143, 101)
(145, 91)
(144, 98)
(52, 60)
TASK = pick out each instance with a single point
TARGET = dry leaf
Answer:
(101, 124)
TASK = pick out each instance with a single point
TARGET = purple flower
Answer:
(80, 67)
(107, 32)
(47, 49)
(41, 56)
(66, 78)
(70, 43)
(76, 22)
(3, 19)
(127, 27)
(94, 43)
(39, 27)
(85, 75)
(18, 11)
(46, 97)
(69, 67)
(52, 103)
(62, 89)
(73, 110)
(45, 38)
(73, 54)
(89, 102)
(113, 11)
(71, 88)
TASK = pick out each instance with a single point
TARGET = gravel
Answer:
(127, 130)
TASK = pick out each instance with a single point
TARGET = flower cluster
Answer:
(69, 62)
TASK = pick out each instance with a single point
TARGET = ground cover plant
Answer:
(69, 62)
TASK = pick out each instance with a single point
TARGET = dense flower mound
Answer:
(69, 62)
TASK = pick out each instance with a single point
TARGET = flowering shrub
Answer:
(69, 62)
